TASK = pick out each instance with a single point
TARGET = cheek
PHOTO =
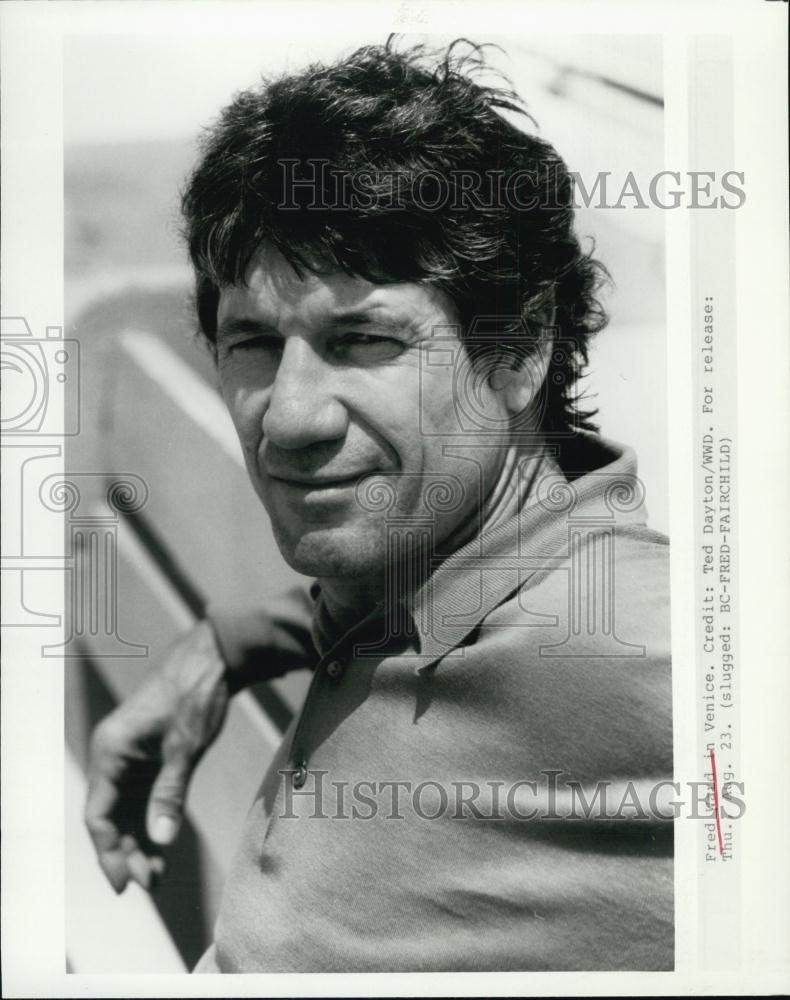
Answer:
(246, 407)
(437, 411)
(417, 416)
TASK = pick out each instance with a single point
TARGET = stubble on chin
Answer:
(337, 553)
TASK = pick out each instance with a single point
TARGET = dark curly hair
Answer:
(369, 165)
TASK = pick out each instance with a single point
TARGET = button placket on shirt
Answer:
(300, 774)
(333, 669)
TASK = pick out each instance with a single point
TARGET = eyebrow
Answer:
(243, 324)
(374, 316)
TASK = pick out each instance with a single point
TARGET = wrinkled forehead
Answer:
(276, 294)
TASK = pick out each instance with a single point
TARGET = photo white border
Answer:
(32, 272)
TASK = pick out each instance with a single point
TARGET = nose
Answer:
(302, 410)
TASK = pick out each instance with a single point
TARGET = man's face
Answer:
(323, 378)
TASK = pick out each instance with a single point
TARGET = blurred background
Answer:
(152, 419)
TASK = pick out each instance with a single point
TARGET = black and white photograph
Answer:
(394, 518)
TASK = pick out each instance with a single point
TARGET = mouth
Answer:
(317, 482)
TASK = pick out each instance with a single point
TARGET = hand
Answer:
(143, 754)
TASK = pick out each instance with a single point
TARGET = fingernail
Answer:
(164, 830)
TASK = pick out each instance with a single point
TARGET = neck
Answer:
(349, 600)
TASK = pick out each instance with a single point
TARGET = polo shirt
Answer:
(534, 661)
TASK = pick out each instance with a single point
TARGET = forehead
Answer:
(276, 295)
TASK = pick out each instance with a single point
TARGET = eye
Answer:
(366, 348)
(264, 342)
(262, 345)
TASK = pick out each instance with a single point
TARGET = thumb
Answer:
(166, 801)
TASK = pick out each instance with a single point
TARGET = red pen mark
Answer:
(716, 801)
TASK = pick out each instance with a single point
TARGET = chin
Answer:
(333, 552)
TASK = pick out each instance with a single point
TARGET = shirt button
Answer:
(300, 774)
(334, 669)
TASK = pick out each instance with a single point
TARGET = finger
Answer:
(115, 867)
(111, 856)
(100, 802)
(166, 802)
(157, 864)
(145, 869)
(140, 869)
(111, 844)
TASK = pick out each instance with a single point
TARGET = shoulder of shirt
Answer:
(637, 583)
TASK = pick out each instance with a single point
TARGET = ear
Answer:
(526, 380)
(520, 383)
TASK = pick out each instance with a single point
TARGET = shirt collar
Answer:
(594, 488)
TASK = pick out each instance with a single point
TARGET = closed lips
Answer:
(318, 481)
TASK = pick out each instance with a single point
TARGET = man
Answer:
(399, 310)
